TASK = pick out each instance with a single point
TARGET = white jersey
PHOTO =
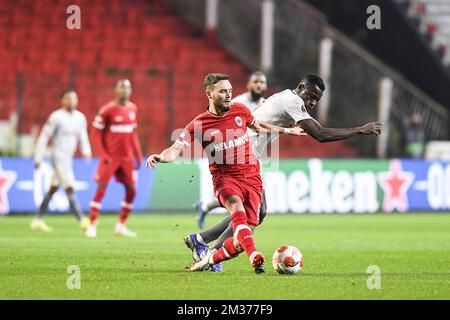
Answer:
(65, 129)
(246, 99)
(283, 109)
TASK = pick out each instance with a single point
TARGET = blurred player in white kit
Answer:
(66, 127)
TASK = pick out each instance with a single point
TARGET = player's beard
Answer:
(221, 107)
(256, 95)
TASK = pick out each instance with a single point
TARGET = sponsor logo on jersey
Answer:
(237, 142)
(122, 128)
(238, 121)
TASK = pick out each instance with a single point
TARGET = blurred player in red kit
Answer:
(115, 138)
(222, 131)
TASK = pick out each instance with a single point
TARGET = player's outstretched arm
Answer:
(264, 127)
(168, 155)
(321, 134)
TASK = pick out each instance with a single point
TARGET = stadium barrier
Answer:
(300, 186)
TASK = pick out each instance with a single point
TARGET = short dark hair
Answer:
(66, 91)
(257, 73)
(313, 79)
(212, 78)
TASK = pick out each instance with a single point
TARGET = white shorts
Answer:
(63, 175)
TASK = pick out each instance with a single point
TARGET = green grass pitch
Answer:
(411, 250)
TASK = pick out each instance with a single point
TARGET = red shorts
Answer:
(122, 169)
(249, 189)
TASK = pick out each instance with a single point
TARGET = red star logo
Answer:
(395, 184)
(7, 178)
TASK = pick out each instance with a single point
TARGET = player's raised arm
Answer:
(168, 155)
(264, 127)
(321, 134)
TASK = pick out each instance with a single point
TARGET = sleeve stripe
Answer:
(98, 125)
(183, 142)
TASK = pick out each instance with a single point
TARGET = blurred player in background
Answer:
(252, 99)
(235, 171)
(287, 108)
(65, 127)
(256, 89)
(115, 137)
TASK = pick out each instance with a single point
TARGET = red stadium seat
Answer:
(161, 54)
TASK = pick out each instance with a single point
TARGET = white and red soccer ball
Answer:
(287, 260)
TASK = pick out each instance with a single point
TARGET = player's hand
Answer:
(372, 128)
(153, 160)
(297, 131)
(37, 164)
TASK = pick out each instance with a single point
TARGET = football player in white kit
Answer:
(256, 88)
(65, 127)
(252, 99)
(287, 108)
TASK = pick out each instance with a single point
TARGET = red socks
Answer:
(127, 205)
(95, 205)
(244, 235)
(125, 211)
(226, 252)
(242, 232)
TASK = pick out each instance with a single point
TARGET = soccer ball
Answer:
(287, 260)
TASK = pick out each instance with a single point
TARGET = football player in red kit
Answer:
(222, 131)
(115, 138)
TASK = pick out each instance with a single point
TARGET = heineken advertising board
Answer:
(299, 186)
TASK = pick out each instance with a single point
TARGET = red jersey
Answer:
(117, 124)
(225, 140)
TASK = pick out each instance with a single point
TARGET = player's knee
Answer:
(234, 203)
(238, 247)
(69, 191)
(52, 190)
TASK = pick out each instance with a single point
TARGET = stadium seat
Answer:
(165, 58)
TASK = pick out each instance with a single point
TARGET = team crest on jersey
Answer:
(238, 121)
(132, 116)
